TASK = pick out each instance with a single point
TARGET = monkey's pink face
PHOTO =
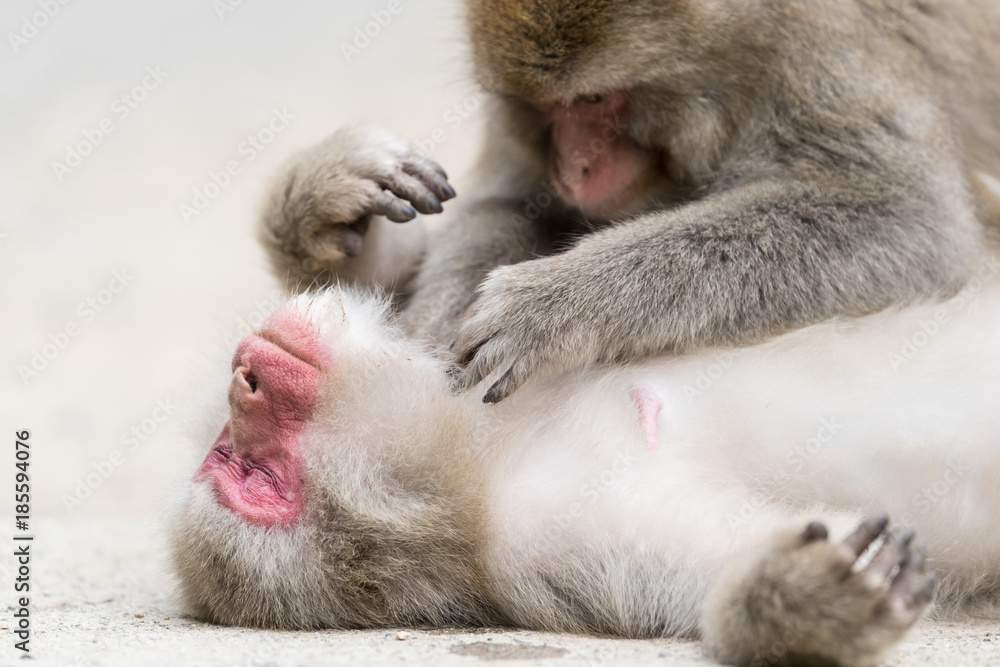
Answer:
(594, 163)
(328, 403)
(255, 465)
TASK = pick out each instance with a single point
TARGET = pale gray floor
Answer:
(98, 564)
(104, 599)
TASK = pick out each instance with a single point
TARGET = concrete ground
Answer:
(105, 598)
(106, 389)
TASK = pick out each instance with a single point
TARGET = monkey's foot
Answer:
(807, 600)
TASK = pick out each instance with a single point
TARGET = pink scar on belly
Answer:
(649, 404)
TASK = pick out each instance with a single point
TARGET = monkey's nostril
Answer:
(252, 381)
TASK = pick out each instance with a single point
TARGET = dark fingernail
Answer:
(492, 396)
(880, 522)
(449, 191)
(927, 592)
(434, 204)
(815, 531)
(409, 211)
(907, 536)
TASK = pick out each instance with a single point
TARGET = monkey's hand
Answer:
(322, 206)
(805, 600)
(522, 319)
(729, 270)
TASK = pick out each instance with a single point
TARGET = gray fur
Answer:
(816, 165)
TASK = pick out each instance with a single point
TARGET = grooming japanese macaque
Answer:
(725, 494)
(667, 176)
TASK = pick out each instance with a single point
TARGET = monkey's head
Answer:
(612, 84)
(319, 503)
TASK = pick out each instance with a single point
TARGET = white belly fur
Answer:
(898, 412)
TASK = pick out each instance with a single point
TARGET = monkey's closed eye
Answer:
(592, 99)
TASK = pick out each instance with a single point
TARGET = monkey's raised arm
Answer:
(732, 269)
(760, 167)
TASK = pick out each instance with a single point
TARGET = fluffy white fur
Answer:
(894, 413)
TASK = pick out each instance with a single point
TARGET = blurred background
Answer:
(129, 262)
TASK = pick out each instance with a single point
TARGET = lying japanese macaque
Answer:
(737, 495)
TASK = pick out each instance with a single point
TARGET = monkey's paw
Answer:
(806, 600)
(320, 209)
(522, 320)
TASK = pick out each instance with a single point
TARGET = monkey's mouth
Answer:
(254, 465)
(267, 492)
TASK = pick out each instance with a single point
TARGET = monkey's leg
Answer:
(327, 217)
(729, 270)
(804, 600)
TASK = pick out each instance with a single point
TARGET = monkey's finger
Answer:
(893, 553)
(504, 387)
(397, 210)
(866, 533)
(465, 353)
(814, 532)
(432, 176)
(913, 586)
(410, 188)
(464, 378)
(475, 364)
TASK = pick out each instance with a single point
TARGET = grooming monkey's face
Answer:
(596, 166)
(593, 71)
